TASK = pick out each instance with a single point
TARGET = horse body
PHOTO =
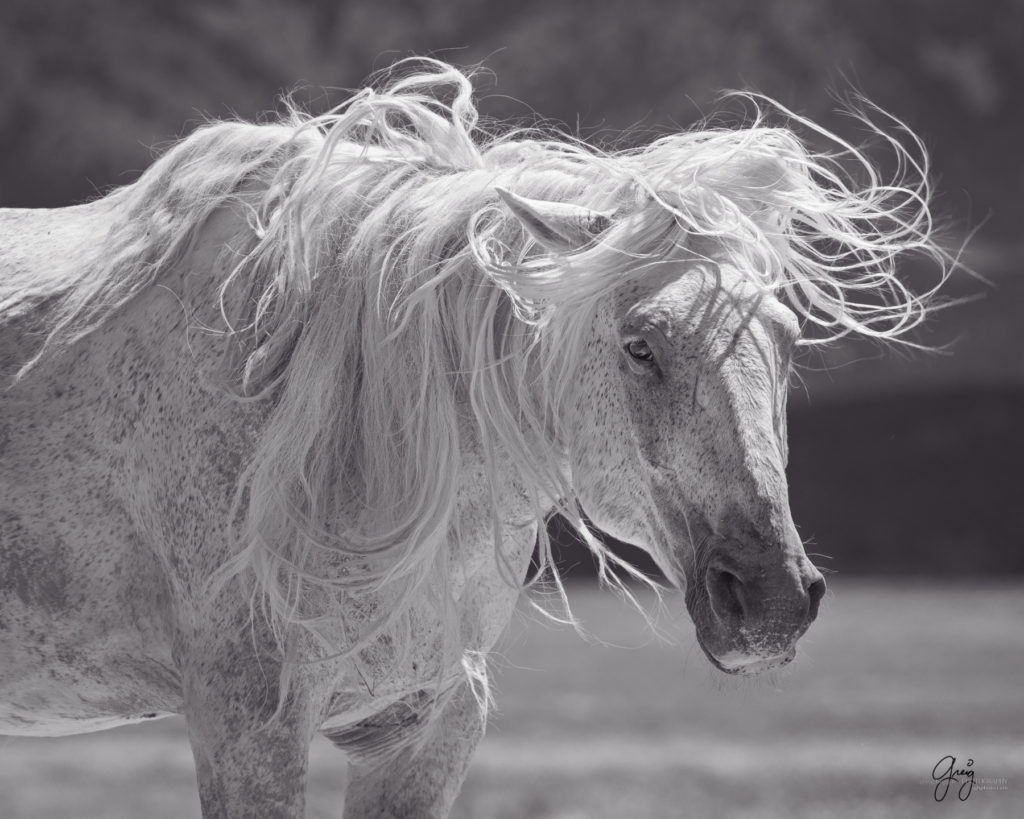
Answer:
(284, 419)
(83, 644)
(106, 550)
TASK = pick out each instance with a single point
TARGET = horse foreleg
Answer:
(249, 760)
(422, 779)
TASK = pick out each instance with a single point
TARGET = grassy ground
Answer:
(892, 678)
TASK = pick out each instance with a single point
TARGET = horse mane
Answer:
(392, 290)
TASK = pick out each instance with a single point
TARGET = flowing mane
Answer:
(391, 290)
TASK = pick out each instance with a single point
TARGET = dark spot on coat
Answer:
(36, 576)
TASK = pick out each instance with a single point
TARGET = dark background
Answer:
(900, 464)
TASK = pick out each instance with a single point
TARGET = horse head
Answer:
(678, 441)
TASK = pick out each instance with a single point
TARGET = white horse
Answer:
(282, 420)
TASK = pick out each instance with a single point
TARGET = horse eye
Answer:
(640, 350)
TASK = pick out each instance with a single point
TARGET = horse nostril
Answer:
(727, 594)
(815, 592)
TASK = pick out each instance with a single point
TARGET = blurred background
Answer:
(905, 468)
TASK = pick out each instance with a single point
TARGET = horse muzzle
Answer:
(749, 611)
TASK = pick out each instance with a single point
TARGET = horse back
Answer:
(42, 254)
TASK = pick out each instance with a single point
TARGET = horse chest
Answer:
(486, 600)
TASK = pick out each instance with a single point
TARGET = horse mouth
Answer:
(744, 665)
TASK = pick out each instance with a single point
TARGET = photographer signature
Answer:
(946, 773)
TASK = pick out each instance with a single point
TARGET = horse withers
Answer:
(282, 420)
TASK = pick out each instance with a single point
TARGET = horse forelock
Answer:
(390, 291)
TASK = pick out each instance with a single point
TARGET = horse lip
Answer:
(737, 664)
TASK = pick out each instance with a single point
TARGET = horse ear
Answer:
(558, 226)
